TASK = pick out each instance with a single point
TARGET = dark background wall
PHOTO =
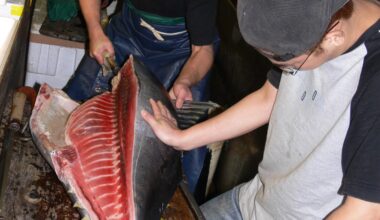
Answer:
(238, 71)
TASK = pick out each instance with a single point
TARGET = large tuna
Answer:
(105, 154)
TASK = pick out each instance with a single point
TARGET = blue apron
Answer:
(164, 58)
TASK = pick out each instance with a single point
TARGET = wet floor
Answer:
(33, 190)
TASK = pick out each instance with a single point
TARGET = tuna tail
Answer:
(193, 112)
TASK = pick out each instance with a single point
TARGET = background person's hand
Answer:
(180, 92)
(163, 124)
(100, 47)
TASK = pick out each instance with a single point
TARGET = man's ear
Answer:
(333, 38)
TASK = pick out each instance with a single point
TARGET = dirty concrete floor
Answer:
(34, 191)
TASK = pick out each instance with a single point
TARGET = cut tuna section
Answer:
(106, 155)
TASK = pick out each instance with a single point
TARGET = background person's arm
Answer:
(100, 45)
(195, 68)
(354, 208)
(250, 113)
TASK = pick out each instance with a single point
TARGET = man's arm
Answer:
(100, 45)
(250, 113)
(195, 68)
(353, 208)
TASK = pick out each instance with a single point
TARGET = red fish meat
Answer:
(105, 154)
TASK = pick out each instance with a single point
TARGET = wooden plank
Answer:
(43, 39)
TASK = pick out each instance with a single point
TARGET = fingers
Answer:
(163, 124)
(171, 94)
(179, 102)
(166, 113)
(155, 108)
(104, 53)
(180, 92)
(182, 96)
(160, 112)
(99, 58)
(100, 48)
(148, 118)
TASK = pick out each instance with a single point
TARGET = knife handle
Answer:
(18, 104)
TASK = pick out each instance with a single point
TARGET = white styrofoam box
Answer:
(51, 64)
(8, 31)
(53, 81)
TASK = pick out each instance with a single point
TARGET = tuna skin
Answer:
(111, 161)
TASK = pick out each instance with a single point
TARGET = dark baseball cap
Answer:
(286, 28)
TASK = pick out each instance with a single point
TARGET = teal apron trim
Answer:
(156, 19)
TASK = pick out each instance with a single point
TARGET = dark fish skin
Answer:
(153, 168)
(158, 169)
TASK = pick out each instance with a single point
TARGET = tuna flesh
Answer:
(103, 151)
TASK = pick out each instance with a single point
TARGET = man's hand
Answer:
(180, 92)
(163, 124)
(101, 47)
(193, 71)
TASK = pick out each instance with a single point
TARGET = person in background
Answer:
(322, 151)
(175, 40)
